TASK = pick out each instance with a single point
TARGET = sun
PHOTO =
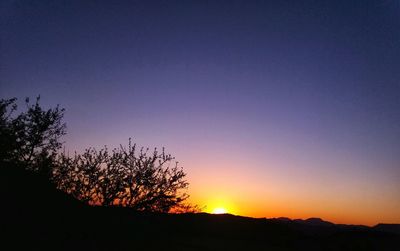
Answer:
(219, 210)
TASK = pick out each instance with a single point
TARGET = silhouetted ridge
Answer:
(40, 217)
(389, 228)
(315, 222)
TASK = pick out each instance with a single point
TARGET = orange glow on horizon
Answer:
(245, 201)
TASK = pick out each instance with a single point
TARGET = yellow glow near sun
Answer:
(220, 204)
(219, 210)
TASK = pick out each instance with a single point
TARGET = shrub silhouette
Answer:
(131, 177)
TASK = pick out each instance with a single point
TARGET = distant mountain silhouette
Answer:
(389, 228)
(36, 216)
(314, 222)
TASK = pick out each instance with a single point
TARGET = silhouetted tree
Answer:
(138, 178)
(127, 177)
(32, 138)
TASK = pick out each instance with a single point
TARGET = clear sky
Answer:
(273, 108)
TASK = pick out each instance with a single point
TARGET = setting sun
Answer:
(219, 210)
(222, 203)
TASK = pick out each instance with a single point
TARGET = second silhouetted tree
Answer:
(137, 178)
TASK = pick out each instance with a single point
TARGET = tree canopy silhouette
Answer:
(127, 176)
(138, 178)
(32, 138)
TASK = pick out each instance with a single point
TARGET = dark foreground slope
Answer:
(35, 216)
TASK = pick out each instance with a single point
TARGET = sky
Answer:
(273, 108)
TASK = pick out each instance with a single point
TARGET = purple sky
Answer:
(291, 97)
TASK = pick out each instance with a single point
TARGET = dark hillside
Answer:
(36, 216)
(389, 228)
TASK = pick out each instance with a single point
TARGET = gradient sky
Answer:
(273, 108)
